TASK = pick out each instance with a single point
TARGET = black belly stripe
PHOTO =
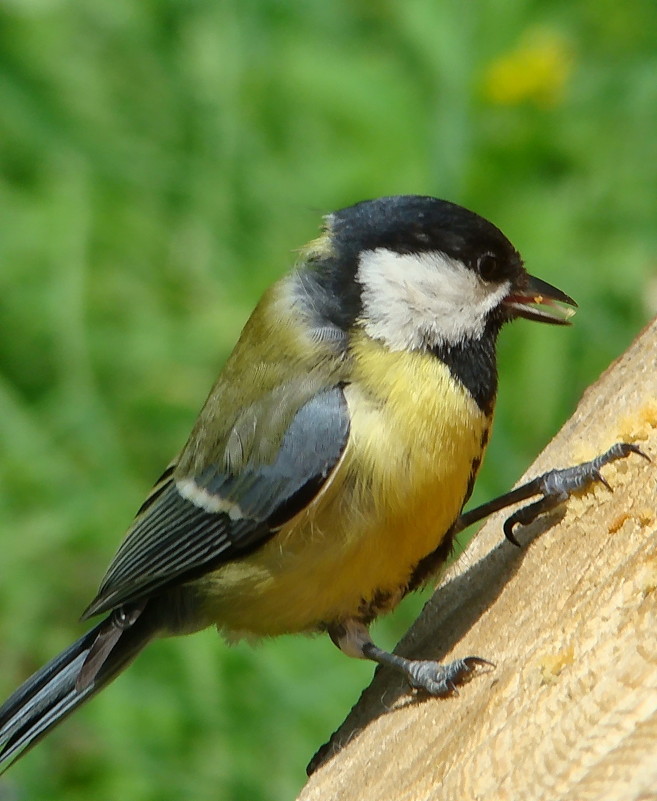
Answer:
(476, 464)
(430, 564)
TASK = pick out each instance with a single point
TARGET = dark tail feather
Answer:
(50, 695)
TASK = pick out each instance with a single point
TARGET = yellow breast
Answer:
(415, 435)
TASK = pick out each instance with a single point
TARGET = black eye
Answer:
(487, 266)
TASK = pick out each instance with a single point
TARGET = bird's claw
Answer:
(557, 485)
(440, 679)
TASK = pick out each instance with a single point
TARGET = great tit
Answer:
(325, 476)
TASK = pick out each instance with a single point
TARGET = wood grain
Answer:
(570, 620)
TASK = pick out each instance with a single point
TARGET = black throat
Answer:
(473, 362)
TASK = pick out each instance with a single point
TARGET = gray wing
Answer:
(175, 539)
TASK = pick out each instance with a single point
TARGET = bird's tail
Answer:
(68, 680)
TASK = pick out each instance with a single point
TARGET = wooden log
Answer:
(570, 621)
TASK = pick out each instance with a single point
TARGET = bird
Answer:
(326, 474)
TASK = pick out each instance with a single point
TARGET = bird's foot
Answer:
(557, 485)
(437, 678)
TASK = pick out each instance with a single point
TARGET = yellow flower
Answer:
(536, 71)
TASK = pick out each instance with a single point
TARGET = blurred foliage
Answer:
(159, 163)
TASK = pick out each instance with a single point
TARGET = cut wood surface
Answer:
(570, 621)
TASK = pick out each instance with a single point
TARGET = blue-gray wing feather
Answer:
(174, 540)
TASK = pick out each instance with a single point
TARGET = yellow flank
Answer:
(415, 433)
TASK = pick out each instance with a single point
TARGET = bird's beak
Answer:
(537, 300)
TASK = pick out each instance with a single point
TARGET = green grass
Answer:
(160, 164)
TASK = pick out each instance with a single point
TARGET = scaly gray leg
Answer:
(353, 639)
(555, 486)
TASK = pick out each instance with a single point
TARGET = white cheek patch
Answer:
(414, 300)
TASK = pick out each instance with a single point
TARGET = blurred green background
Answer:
(160, 163)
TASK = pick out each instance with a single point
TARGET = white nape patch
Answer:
(415, 300)
(200, 497)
